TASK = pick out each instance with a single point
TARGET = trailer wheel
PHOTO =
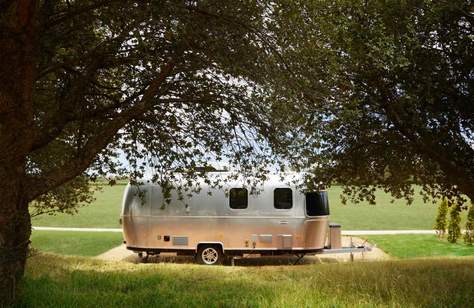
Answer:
(143, 257)
(209, 255)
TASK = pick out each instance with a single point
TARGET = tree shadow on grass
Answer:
(54, 281)
(241, 261)
(170, 286)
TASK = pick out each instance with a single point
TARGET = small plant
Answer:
(441, 220)
(469, 235)
(454, 231)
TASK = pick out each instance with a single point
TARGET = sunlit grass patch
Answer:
(75, 243)
(419, 245)
(104, 212)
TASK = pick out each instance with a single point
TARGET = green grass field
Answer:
(424, 245)
(75, 243)
(105, 212)
(54, 281)
(384, 215)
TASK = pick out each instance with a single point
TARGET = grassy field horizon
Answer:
(104, 212)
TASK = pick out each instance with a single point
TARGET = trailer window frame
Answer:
(275, 198)
(320, 206)
(246, 203)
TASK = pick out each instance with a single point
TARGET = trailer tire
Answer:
(210, 255)
(143, 257)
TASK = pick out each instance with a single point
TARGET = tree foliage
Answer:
(96, 87)
(441, 221)
(370, 94)
(382, 93)
(161, 85)
(454, 230)
(469, 230)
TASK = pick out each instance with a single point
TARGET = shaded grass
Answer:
(423, 245)
(53, 281)
(75, 243)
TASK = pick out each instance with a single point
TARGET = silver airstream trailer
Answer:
(227, 221)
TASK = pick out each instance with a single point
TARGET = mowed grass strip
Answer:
(423, 245)
(54, 281)
(75, 243)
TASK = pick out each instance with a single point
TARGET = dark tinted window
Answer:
(317, 203)
(283, 198)
(238, 198)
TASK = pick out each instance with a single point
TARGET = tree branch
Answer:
(77, 165)
(67, 15)
(64, 115)
(427, 146)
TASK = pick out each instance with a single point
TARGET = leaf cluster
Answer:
(124, 87)
(380, 94)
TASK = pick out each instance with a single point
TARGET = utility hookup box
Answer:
(335, 236)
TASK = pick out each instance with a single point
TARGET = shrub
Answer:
(441, 220)
(454, 231)
(469, 235)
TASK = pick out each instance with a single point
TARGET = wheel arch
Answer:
(220, 244)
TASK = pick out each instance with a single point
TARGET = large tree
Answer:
(366, 93)
(168, 83)
(381, 93)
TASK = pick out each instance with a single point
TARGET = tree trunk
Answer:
(17, 77)
(15, 231)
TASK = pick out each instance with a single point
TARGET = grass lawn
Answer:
(75, 243)
(104, 212)
(384, 215)
(54, 281)
(410, 246)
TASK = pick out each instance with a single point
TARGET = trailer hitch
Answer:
(299, 257)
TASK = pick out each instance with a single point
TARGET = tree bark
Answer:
(15, 231)
(17, 75)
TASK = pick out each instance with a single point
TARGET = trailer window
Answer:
(238, 198)
(283, 198)
(317, 204)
